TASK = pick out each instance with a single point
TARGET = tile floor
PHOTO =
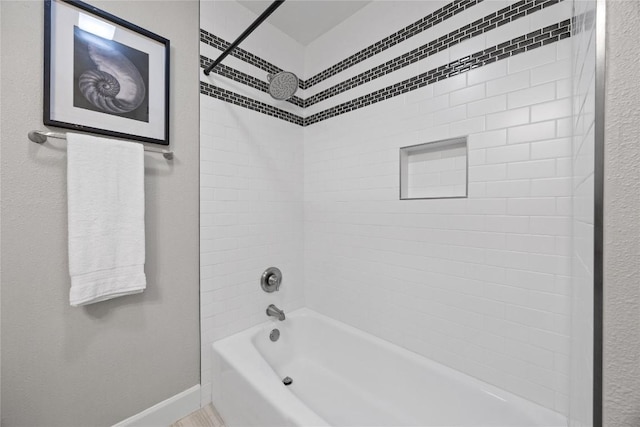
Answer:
(204, 417)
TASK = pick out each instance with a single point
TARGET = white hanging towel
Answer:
(105, 186)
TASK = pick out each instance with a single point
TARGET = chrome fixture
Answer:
(274, 335)
(274, 311)
(40, 137)
(271, 279)
(282, 85)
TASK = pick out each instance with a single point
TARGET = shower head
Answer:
(282, 85)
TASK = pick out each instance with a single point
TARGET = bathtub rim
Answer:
(272, 391)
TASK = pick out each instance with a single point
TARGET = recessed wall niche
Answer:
(434, 170)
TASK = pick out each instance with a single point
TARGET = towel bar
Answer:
(40, 137)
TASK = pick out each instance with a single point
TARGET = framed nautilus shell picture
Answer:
(104, 75)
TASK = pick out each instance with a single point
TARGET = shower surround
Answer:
(310, 185)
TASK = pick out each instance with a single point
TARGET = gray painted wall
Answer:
(622, 219)
(94, 366)
(0, 218)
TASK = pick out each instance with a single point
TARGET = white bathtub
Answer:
(345, 377)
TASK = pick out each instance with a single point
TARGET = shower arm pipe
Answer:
(268, 11)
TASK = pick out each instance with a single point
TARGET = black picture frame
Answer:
(80, 103)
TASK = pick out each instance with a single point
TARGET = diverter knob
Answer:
(271, 279)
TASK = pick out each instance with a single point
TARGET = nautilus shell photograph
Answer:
(110, 77)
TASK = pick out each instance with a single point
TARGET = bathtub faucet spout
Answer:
(274, 311)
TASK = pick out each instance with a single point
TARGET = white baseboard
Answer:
(166, 412)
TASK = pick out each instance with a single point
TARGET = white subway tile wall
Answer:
(482, 283)
(583, 149)
(251, 205)
(251, 218)
(479, 284)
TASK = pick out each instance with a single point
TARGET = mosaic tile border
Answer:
(245, 79)
(251, 104)
(248, 57)
(485, 24)
(583, 22)
(525, 43)
(399, 36)
(521, 44)
(490, 22)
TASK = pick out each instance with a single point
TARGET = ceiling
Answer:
(306, 20)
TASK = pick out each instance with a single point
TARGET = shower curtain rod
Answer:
(268, 11)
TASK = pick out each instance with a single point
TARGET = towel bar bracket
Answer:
(37, 137)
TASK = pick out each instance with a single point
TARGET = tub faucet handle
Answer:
(274, 311)
(274, 281)
(271, 279)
